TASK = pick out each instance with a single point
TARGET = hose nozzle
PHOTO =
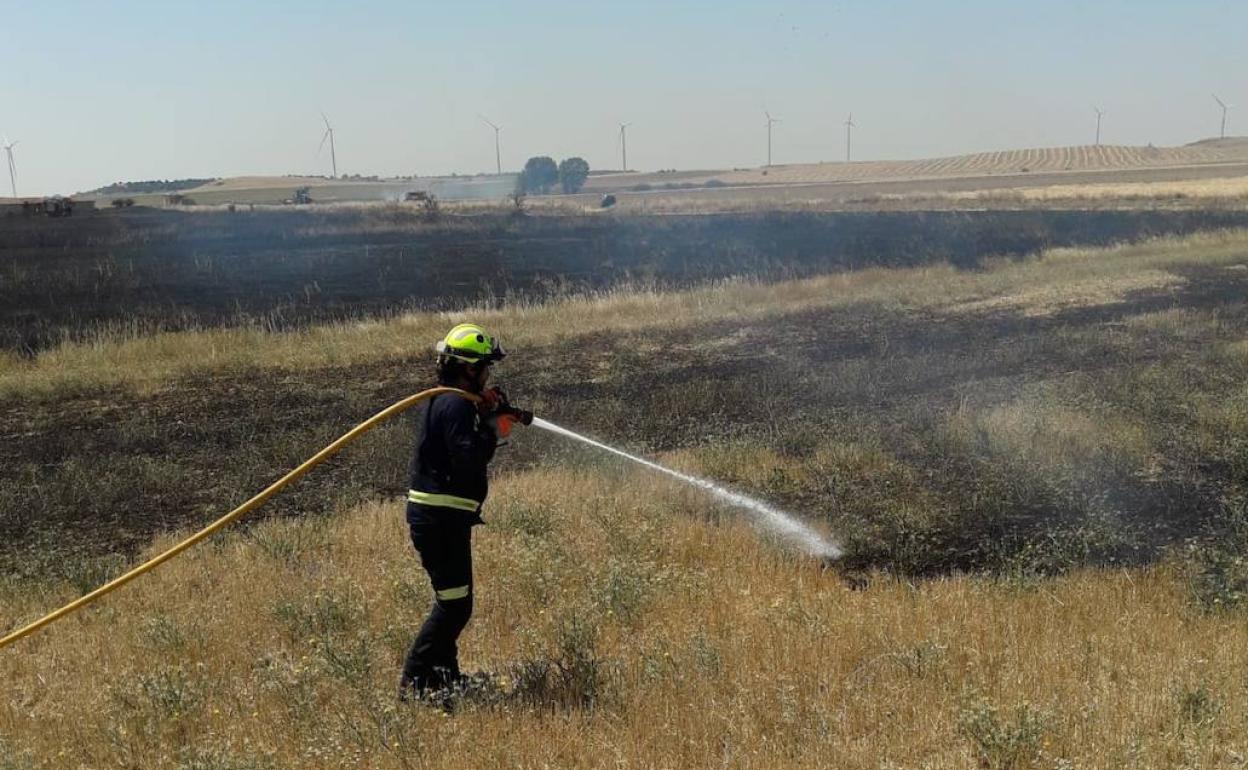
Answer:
(505, 415)
(522, 416)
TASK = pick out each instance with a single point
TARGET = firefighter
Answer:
(455, 441)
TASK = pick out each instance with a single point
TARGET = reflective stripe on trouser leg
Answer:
(442, 501)
(450, 594)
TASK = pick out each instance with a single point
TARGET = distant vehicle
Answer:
(302, 196)
(427, 200)
(54, 207)
(607, 202)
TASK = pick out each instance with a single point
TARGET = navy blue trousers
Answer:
(443, 538)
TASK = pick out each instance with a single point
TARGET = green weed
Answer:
(86, 574)
(624, 589)
(169, 693)
(535, 521)
(218, 757)
(1198, 707)
(162, 632)
(1003, 742)
(324, 613)
(576, 677)
(1217, 565)
(14, 759)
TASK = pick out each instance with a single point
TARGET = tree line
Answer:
(541, 174)
(152, 186)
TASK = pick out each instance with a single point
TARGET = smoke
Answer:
(781, 523)
(484, 188)
(474, 189)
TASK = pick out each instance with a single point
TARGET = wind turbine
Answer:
(624, 146)
(8, 150)
(329, 134)
(770, 121)
(849, 128)
(1099, 114)
(1225, 108)
(498, 158)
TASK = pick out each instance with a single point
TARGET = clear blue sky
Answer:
(104, 91)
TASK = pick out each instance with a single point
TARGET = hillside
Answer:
(1035, 160)
(1037, 166)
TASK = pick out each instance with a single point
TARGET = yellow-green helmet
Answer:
(471, 344)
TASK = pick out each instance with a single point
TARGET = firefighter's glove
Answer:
(498, 425)
(497, 414)
(492, 401)
(503, 424)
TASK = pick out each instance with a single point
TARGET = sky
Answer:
(96, 92)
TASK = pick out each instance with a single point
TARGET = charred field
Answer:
(147, 270)
(926, 372)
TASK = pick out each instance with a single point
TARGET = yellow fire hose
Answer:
(250, 505)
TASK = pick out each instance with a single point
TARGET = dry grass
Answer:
(1233, 187)
(1219, 192)
(1033, 160)
(1053, 439)
(1222, 191)
(1049, 299)
(1062, 276)
(1225, 193)
(669, 634)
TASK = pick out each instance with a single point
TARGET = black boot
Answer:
(419, 685)
(408, 690)
(437, 687)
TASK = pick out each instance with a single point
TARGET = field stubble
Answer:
(627, 626)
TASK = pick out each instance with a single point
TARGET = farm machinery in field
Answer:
(302, 196)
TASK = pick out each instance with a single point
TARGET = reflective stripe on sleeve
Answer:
(450, 594)
(442, 501)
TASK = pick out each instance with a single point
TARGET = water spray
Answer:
(770, 517)
(784, 524)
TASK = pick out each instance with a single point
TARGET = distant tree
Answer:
(152, 186)
(572, 174)
(540, 174)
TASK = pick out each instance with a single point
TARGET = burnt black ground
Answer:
(66, 278)
(102, 472)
